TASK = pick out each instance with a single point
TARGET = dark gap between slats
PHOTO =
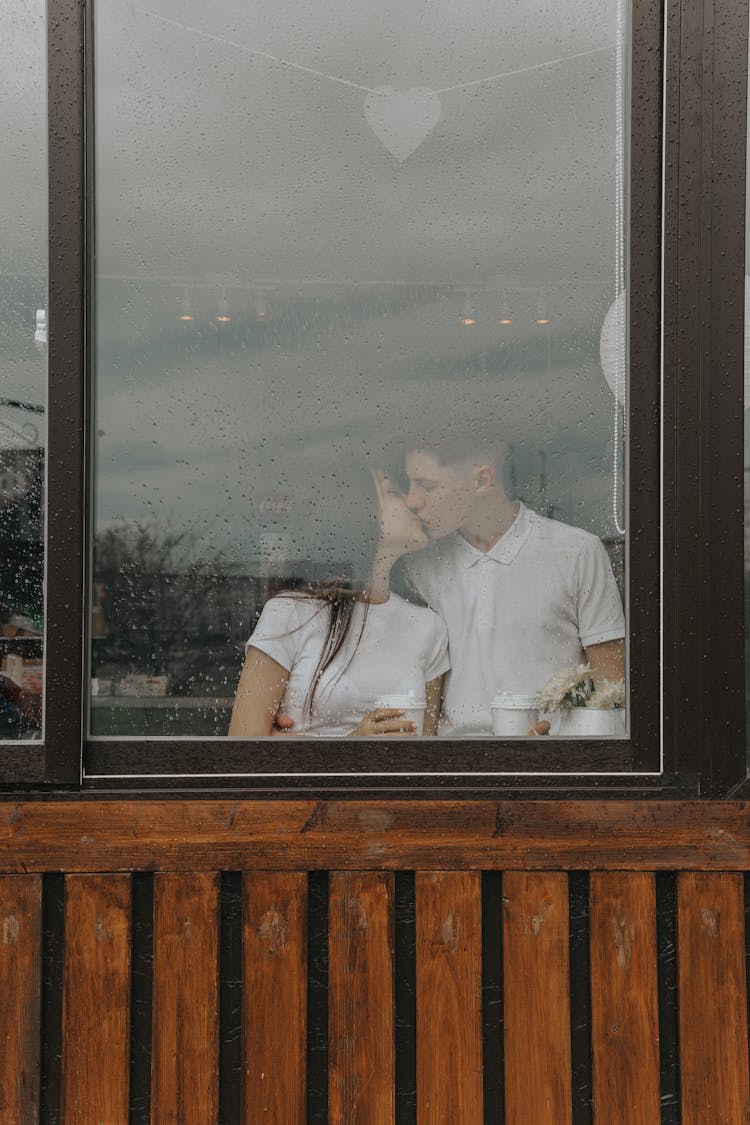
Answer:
(317, 998)
(230, 998)
(492, 998)
(580, 997)
(666, 967)
(141, 984)
(405, 992)
(53, 949)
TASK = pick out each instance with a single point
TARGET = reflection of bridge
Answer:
(33, 407)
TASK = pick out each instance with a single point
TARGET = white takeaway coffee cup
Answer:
(514, 714)
(412, 705)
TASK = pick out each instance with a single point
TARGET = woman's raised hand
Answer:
(399, 529)
(384, 721)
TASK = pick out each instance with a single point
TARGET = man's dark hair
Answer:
(479, 441)
(452, 445)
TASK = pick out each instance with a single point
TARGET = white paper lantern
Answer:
(614, 335)
(612, 347)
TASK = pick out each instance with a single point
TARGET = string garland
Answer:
(356, 85)
(380, 128)
(620, 298)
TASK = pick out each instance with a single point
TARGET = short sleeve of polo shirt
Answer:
(600, 613)
(278, 631)
(437, 661)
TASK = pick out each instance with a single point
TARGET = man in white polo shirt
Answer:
(523, 596)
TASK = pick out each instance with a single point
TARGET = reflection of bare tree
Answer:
(21, 550)
(167, 609)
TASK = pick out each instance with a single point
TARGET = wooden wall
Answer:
(446, 963)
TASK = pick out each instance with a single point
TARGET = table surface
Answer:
(183, 702)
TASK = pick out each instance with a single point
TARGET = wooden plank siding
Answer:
(713, 999)
(203, 835)
(96, 1000)
(536, 998)
(274, 997)
(20, 997)
(530, 1065)
(185, 1035)
(449, 985)
(361, 1010)
(624, 1009)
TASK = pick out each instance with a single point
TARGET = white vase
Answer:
(593, 722)
(514, 714)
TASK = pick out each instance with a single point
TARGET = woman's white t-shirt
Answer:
(401, 648)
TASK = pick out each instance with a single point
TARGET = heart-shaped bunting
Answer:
(402, 120)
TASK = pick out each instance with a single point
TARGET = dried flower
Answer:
(608, 694)
(570, 688)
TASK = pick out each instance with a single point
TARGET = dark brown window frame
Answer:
(699, 127)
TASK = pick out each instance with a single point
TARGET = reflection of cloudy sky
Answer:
(23, 241)
(23, 214)
(218, 167)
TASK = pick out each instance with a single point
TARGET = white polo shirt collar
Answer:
(507, 546)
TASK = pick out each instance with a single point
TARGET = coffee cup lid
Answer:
(404, 699)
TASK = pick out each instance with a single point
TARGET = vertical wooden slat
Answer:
(274, 997)
(185, 1051)
(20, 997)
(449, 998)
(96, 1000)
(361, 1087)
(537, 998)
(712, 999)
(624, 1008)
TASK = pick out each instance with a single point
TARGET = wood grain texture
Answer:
(96, 1000)
(536, 1001)
(449, 998)
(203, 835)
(361, 1065)
(712, 999)
(185, 1035)
(20, 997)
(274, 997)
(624, 1009)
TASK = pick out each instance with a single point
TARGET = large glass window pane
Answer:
(23, 282)
(354, 253)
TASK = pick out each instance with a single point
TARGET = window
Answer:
(334, 261)
(358, 249)
(23, 340)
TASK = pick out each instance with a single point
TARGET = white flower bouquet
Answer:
(570, 688)
(609, 695)
(574, 687)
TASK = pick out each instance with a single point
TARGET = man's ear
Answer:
(484, 478)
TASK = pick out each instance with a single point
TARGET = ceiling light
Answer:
(468, 315)
(542, 315)
(186, 308)
(504, 315)
(223, 317)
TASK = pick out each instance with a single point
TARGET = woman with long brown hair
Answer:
(325, 655)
